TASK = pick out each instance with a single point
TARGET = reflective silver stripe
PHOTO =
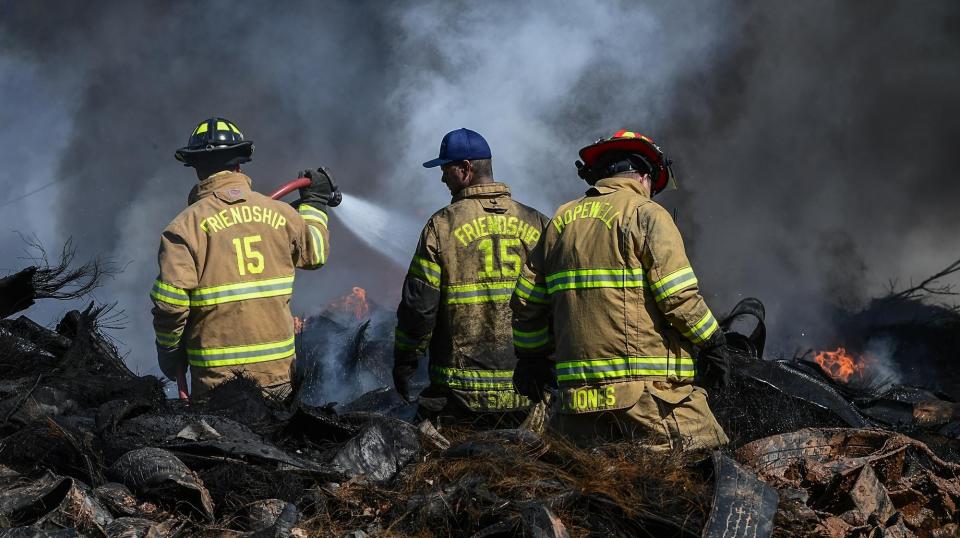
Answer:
(312, 213)
(462, 379)
(479, 293)
(319, 254)
(617, 368)
(673, 283)
(595, 278)
(531, 292)
(272, 287)
(531, 339)
(166, 293)
(234, 355)
(704, 328)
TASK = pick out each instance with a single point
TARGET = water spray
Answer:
(392, 234)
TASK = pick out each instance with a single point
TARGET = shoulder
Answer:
(529, 212)
(568, 206)
(651, 210)
(276, 205)
(449, 213)
(186, 217)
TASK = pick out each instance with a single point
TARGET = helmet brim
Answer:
(186, 153)
(591, 154)
(663, 173)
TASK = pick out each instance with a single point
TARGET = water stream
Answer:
(392, 233)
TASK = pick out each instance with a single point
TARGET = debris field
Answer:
(87, 448)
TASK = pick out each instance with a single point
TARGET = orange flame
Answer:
(841, 365)
(354, 304)
(297, 324)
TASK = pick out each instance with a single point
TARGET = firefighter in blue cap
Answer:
(456, 294)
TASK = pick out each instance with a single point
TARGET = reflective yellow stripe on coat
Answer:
(169, 294)
(228, 293)
(235, 355)
(595, 278)
(483, 292)
(426, 270)
(463, 379)
(616, 369)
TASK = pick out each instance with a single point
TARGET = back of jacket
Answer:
(456, 296)
(611, 289)
(221, 300)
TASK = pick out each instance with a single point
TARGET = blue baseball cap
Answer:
(460, 145)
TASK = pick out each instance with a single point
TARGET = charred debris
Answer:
(87, 448)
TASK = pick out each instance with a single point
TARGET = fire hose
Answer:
(284, 190)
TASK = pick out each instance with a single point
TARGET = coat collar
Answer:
(611, 184)
(486, 190)
(233, 185)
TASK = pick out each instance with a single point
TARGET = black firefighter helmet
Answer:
(216, 140)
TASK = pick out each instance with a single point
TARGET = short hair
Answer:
(482, 167)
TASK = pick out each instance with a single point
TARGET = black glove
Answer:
(713, 362)
(323, 190)
(171, 360)
(532, 376)
(403, 370)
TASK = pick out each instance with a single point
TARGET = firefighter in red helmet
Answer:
(616, 310)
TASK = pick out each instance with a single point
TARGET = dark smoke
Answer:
(813, 140)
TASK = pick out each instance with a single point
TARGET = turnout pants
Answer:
(666, 416)
(272, 376)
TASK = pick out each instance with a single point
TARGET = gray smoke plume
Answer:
(813, 140)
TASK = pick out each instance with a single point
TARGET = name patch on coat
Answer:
(226, 218)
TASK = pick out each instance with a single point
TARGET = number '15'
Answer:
(248, 253)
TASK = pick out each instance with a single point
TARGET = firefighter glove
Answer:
(532, 376)
(323, 190)
(713, 362)
(403, 370)
(170, 360)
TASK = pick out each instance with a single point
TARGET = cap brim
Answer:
(437, 162)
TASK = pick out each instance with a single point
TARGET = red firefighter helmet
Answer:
(624, 144)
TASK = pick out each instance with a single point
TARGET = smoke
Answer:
(813, 140)
(882, 366)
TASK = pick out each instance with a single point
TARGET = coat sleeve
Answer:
(312, 239)
(420, 300)
(532, 331)
(670, 277)
(171, 299)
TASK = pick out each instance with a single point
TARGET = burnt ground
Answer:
(87, 448)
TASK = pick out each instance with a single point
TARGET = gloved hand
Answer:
(532, 376)
(323, 190)
(713, 362)
(403, 370)
(170, 360)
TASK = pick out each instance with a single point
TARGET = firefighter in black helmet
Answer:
(222, 298)
(215, 143)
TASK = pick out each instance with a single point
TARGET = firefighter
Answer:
(221, 301)
(456, 294)
(608, 310)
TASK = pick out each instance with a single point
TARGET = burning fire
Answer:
(354, 304)
(841, 366)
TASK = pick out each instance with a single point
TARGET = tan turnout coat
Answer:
(456, 296)
(221, 300)
(609, 292)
